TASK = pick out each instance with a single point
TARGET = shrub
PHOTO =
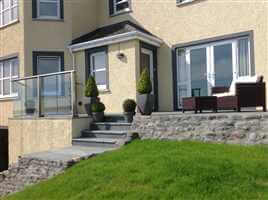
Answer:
(144, 85)
(129, 105)
(98, 107)
(91, 89)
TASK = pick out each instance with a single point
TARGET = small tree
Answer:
(144, 84)
(91, 89)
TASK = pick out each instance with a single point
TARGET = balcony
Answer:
(45, 95)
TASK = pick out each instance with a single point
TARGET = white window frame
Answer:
(48, 17)
(211, 63)
(92, 70)
(59, 79)
(10, 78)
(116, 4)
(9, 8)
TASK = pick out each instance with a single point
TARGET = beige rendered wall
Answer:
(36, 135)
(11, 43)
(201, 19)
(121, 76)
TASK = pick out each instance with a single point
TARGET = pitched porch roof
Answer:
(114, 33)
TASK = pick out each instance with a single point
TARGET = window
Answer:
(119, 6)
(47, 63)
(8, 12)
(48, 9)
(98, 63)
(9, 70)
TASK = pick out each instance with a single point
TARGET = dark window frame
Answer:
(35, 12)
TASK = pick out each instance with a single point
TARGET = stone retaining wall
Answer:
(29, 171)
(235, 128)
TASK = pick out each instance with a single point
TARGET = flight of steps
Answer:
(111, 133)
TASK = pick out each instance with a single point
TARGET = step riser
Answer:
(114, 119)
(109, 127)
(94, 144)
(101, 135)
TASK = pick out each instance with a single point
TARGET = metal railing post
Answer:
(73, 94)
(38, 96)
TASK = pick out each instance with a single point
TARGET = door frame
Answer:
(154, 72)
(205, 42)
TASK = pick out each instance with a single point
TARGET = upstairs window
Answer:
(48, 9)
(8, 12)
(9, 70)
(119, 6)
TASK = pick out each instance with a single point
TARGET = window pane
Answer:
(99, 61)
(6, 69)
(6, 87)
(6, 17)
(5, 4)
(1, 67)
(1, 87)
(243, 57)
(49, 9)
(15, 68)
(122, 6)
(14, 2)
(14, 13)
(14, 87)
(100, 77)
(48, 65)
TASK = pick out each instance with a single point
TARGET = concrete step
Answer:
(96, 142)
(114, 118)
(116, 126)
(110, 134)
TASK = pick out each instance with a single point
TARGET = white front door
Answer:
(147, 61)
(199, 68)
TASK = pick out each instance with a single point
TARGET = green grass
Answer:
(152, 170)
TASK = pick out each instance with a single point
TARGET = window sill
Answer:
(48, 20)
(104, 91)
(185, 3)
(121, 13)
(8, 98)
(9, 24)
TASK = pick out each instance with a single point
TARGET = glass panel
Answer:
(182, 69)
(5, 4)
(243, 57)
(223, 65)
(6, 17)
(1, 81)
(14, 13)
(145, 62)
(122, 6)
(6, 84)
(15, 67)
(49, 9)
(48, 65)
(100, 77)
(99, 61)
(199, 71)
(6, 69)
(182, 92)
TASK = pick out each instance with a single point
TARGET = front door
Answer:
(199, 68)
(147, 60)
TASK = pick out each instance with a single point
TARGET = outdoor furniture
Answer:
(199, 103)
(249, 92)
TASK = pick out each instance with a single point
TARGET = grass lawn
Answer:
(162, 170)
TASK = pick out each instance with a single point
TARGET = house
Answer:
(188, 45)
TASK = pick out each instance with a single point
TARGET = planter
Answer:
(145, 103)
(128, 116)
(90, 100)
(30, 111)
(98, 116)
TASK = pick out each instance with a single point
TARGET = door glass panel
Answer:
(223, 65)
(243, 57)
(199, 84)
(145, 62)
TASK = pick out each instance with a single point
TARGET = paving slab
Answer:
(68, 153)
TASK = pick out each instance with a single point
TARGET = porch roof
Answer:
(114, 33)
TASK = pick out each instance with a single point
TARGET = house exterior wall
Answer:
(121, 76)
(202, 19)
(12, 43)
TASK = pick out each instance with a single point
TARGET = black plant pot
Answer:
(128, 116)
(145, 103)
(30, 111)
(91, 100)
(98, 116)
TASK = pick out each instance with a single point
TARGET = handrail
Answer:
(43, 75)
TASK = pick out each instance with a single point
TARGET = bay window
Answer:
(8, 12)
